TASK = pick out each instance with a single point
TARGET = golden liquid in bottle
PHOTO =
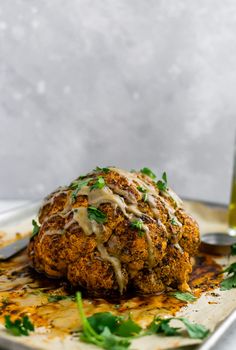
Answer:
(232, 209)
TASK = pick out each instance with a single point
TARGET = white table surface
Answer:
(227, 342)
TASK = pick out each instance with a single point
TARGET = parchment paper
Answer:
(208, 310)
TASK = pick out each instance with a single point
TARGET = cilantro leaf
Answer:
(105, 339)
(229, 282)
(77, 185)
(128, 328)
(20, 326)
(116, 324)
(27, 324)
(36, 228)
(100, 320)
(144, 191)
(160, 325)
(230, 269)
(105, 170)
(96, 215)
(162, 184)
(233, 249)
(138, 225)
(100, 183)
(174, 222)
(194, 330)
(184, 296)
(148, 172)
(111, 341)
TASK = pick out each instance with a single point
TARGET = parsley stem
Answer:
(86, 325)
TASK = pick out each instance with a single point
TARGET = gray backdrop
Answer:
(126, 82)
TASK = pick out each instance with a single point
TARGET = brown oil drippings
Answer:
(23, 291)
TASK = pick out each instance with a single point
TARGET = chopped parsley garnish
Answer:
(96, 215)
(162, 184)
(105, 170)
(36, 228)
(184, 296)
(148, 172)
(174, 222)
(21, 326)
(81, 177)
(144, 191)
(77, 185)
(99, 184)
(138, 225)
(162, 325)
(229, 282)
(233, 249)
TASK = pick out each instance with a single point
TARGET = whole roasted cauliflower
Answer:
(111, 232)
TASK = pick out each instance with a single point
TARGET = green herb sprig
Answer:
(174, 222)
(21, 326)
(144, 191)
(76, 187)
(104, 170)
(194, 330)
(109, 331)
(148, 172)
(184, 296)
(162, 184)
(96, 215)
(138, 225)
(233, 249)
(99, 329)
(229, 282)
(99, 184)
(36, 228)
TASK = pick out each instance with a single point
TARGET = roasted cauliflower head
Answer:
(111, 232)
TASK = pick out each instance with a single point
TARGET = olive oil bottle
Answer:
(232, 204)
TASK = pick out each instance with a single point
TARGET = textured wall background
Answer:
(124, 82)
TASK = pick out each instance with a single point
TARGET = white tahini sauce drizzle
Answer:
(115, 263)
(151, 256)
(127, 202)
(51, 232)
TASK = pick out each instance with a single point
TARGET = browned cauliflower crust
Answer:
(114, 231)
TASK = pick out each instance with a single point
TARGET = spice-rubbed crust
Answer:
(112, 231)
